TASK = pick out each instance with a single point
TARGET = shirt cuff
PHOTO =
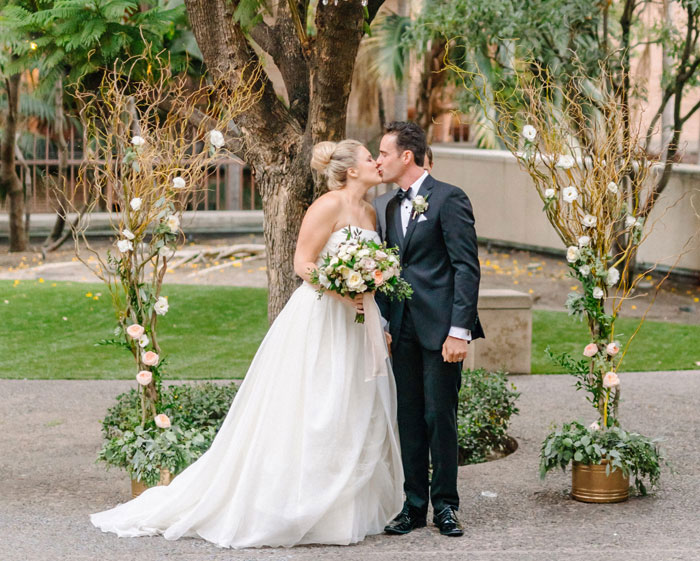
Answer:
(460, 333)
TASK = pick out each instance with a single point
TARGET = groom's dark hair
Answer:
(409, 136)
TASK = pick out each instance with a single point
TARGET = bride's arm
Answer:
(316, 228)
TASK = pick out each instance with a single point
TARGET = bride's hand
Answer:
(356, 302)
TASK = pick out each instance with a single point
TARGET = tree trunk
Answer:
(60, 186)
(278, 139)
(9, 182)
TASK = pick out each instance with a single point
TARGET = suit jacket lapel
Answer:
(424, 191)
(393, 220)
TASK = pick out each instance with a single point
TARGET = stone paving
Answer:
(49, 484)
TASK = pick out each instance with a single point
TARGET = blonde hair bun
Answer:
(322, 154)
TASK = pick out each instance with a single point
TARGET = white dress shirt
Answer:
(406, 210)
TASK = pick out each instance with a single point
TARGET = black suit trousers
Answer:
(427, 389)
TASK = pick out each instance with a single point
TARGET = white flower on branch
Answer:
(549, 193)
(589, 221)
(161, 306)
(598, 293)
(179, 183)
(565, 162)
(613, 276)
(165, 251)
(584, 241)
(216, 139)
(573, 254)
(128, 234)
(135, 204)
(594, 426)
(173, 223)
(613, 188)
(584, 270)
(138, 141)
(632, 221)
(529, 133)
(124, 246)
(570, 194)
(143, 341)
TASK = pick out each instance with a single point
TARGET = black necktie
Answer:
(401, 194)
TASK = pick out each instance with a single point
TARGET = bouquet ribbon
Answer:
(375, 361)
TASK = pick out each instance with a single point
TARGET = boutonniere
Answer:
(420, 205)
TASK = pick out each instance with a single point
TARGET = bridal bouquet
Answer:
(361, 266)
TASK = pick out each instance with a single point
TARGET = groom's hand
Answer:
(454, 350)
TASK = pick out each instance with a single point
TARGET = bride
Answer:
(309, 451)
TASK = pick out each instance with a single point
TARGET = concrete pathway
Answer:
(49, 484)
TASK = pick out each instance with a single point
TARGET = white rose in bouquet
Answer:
(362, 253)
(355, 281)
(324, 281)
(367, 264)
(379, 255)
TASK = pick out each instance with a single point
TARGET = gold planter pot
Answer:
(590, 484)
(138, 487)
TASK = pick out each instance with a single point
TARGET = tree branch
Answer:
(340, 29)
(228, 56)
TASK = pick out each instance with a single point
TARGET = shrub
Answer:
(196, 413)
(486, 404)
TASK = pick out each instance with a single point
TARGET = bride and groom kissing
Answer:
(312, 450)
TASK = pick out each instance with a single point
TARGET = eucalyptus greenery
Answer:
(196, 413)
(633, 454)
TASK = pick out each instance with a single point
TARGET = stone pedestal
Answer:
(507, 319)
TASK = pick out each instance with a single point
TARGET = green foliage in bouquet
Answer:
(360, 266)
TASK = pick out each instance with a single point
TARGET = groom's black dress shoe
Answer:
(408, 519)
(448, 523)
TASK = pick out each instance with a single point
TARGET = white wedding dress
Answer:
(308, 452)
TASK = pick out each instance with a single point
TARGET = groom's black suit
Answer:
(439, 259)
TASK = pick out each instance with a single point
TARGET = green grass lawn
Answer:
(213, 332)
(209, 332)
(657, 346)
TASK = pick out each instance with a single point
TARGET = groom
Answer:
(430, 332)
